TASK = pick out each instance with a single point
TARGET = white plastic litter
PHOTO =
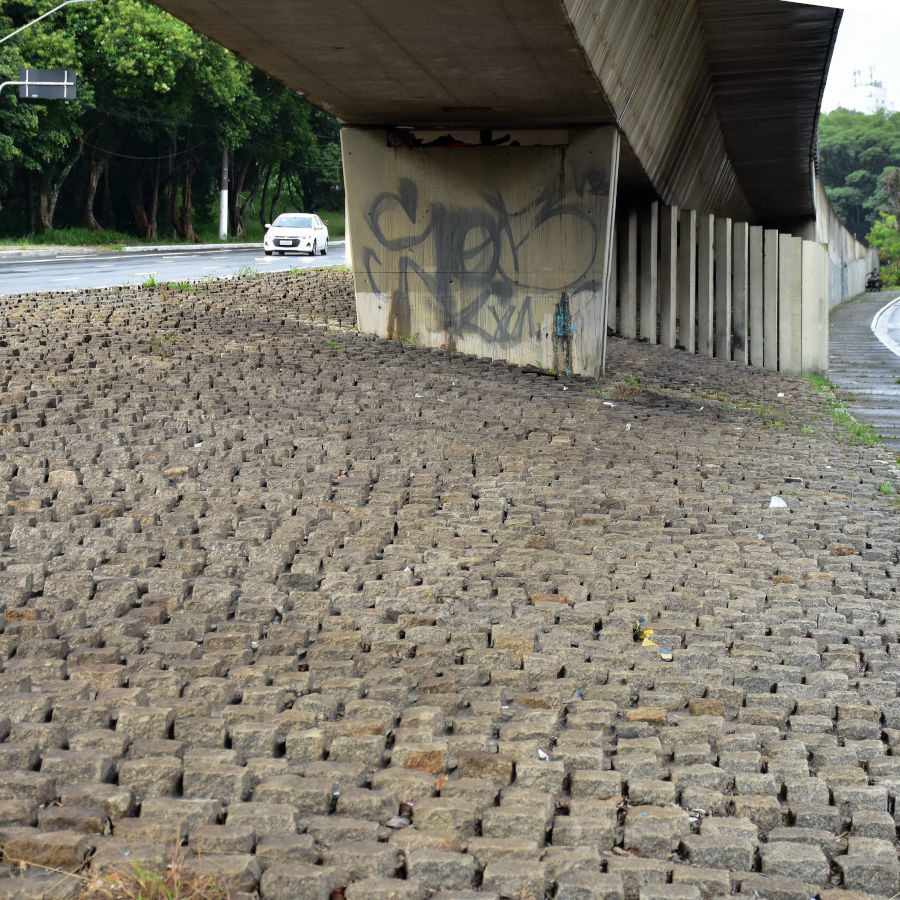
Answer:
(777, 503)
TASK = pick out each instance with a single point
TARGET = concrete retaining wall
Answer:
(849, 260)
(744, 294)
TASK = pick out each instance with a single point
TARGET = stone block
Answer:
(289, 881)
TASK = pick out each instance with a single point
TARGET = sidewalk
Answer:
(350, 615)
(864, 368)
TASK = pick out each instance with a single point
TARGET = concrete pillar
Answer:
(705, 283)
(740, 290)
(612, 291)
(668, 274)
(770, 298)
(649, 272)
(790, 299)
(496, 251)
(723, 288)
(755, 295)
(628, 270)
(814, 313)
(687, 280)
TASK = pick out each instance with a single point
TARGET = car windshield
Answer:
(294, 221)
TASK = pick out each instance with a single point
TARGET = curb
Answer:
(880, 332)
(64, 252)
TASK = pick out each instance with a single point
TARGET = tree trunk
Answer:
(263, 198)
(277, 195)
(237, 211)
(184, 224)
(172, 188)
(49, 185)
(95, 171)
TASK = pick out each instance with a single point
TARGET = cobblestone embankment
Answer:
(354, 618)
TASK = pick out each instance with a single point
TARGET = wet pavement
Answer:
(352, 618)
(865, 370)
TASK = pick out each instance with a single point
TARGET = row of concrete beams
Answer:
(717, 100)
(719, 288)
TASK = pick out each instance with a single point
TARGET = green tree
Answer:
(857, 152)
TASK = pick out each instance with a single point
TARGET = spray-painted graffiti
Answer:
(484, 268)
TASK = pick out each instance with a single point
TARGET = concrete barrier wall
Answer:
(744, 294)
(500, 251)
(849, 260)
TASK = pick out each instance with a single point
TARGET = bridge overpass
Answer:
(522, 174)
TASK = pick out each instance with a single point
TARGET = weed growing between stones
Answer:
(856, 431)
(176, 882)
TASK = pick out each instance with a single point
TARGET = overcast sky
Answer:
(868, 37)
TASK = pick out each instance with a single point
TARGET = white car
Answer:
(297, 232)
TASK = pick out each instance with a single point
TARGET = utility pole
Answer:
(223, 196)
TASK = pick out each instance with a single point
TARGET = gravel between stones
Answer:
(344, 613)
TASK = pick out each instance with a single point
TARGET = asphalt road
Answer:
(886, 326)
(29, 273)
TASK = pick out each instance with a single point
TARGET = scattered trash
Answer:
(198, 445)
(441, 782)
(608, 403)
(542, 754)
(398, 822)
(578, 695)
(406, 808)
(628, 426)
(419, 396)
(565, 388)
(759, 537)
(781, 393)
(793, 479)
(642, 634)
(777, 503)
(701, 409)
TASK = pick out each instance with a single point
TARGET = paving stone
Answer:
(455, 608)
(438, 870)
(286, 881)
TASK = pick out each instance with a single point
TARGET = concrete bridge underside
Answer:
(563, 109)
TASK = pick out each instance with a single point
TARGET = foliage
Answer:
(859, 154)
(140, 151)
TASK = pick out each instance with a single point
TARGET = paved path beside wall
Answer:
(348, 613)
(863, 368)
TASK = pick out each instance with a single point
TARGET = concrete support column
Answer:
(755, 295)
(687, 280)
(649, 272)
(668, 275)
(723, 288)
(705, 283)
(628, 272)
(740, 290)
(790, 263)
(496, 251)
(814, 313)
(770, 298)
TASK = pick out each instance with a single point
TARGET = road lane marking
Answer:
(881, 329)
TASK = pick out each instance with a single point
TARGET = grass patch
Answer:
(74, 237)
(856, 431)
